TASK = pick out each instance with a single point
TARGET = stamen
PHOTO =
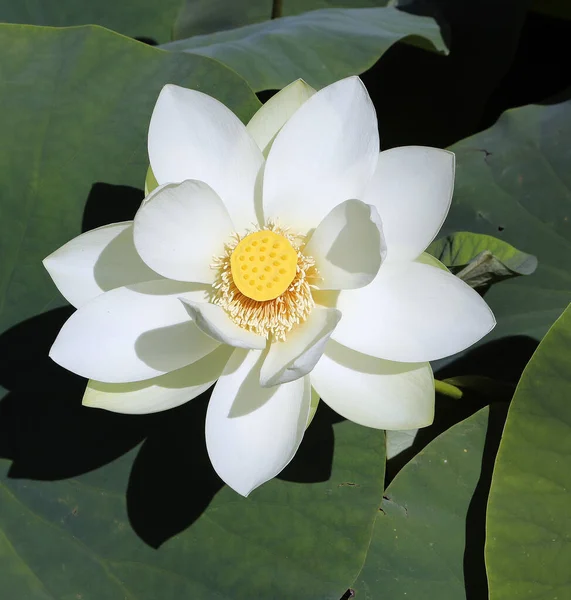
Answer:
(275, 316)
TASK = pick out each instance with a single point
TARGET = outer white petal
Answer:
(325, 154)
(158, 393)
(252, 432)
(265, 124)
(214, 322)
(132, 333)
(97, 261)
(194, 136)
(412, 190)
(180, 228)
(347, 246)
(294, 358)
(412, 312)
(374, 392)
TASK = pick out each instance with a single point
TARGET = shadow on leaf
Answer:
(172, 481)
(503, 359)
(108, 203)
(475, 578)
(44, 429)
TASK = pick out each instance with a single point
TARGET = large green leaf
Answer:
(76, 106)
(198, 17)
(528, 547)
(151, 19)
(514, 182)
(419, 538)
(319, 46)
(78, 537)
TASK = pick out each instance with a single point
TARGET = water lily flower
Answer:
(283, 261)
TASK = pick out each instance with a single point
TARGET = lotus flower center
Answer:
(263, 265)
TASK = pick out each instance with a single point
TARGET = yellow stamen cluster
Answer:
(263, 311)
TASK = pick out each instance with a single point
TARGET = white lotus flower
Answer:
(282, 279)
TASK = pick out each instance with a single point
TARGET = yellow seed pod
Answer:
(263, 265)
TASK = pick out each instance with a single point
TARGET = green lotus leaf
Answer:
(148, 19)
(528, 543)
(419, 538)
(208, 16)
(313, 45)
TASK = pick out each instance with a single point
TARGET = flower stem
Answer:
(447, 389)
(277, 9)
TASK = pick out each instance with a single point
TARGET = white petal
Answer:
(132, 333)
(412, 312)
(180, 228)
(214, 322)
(412, 190)
(294, 358)
(374, 392)
(265, 124)
(347, 246)
(325, 154)
(97, 261)
(194, 136)
(252, 432)
(158, 393)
